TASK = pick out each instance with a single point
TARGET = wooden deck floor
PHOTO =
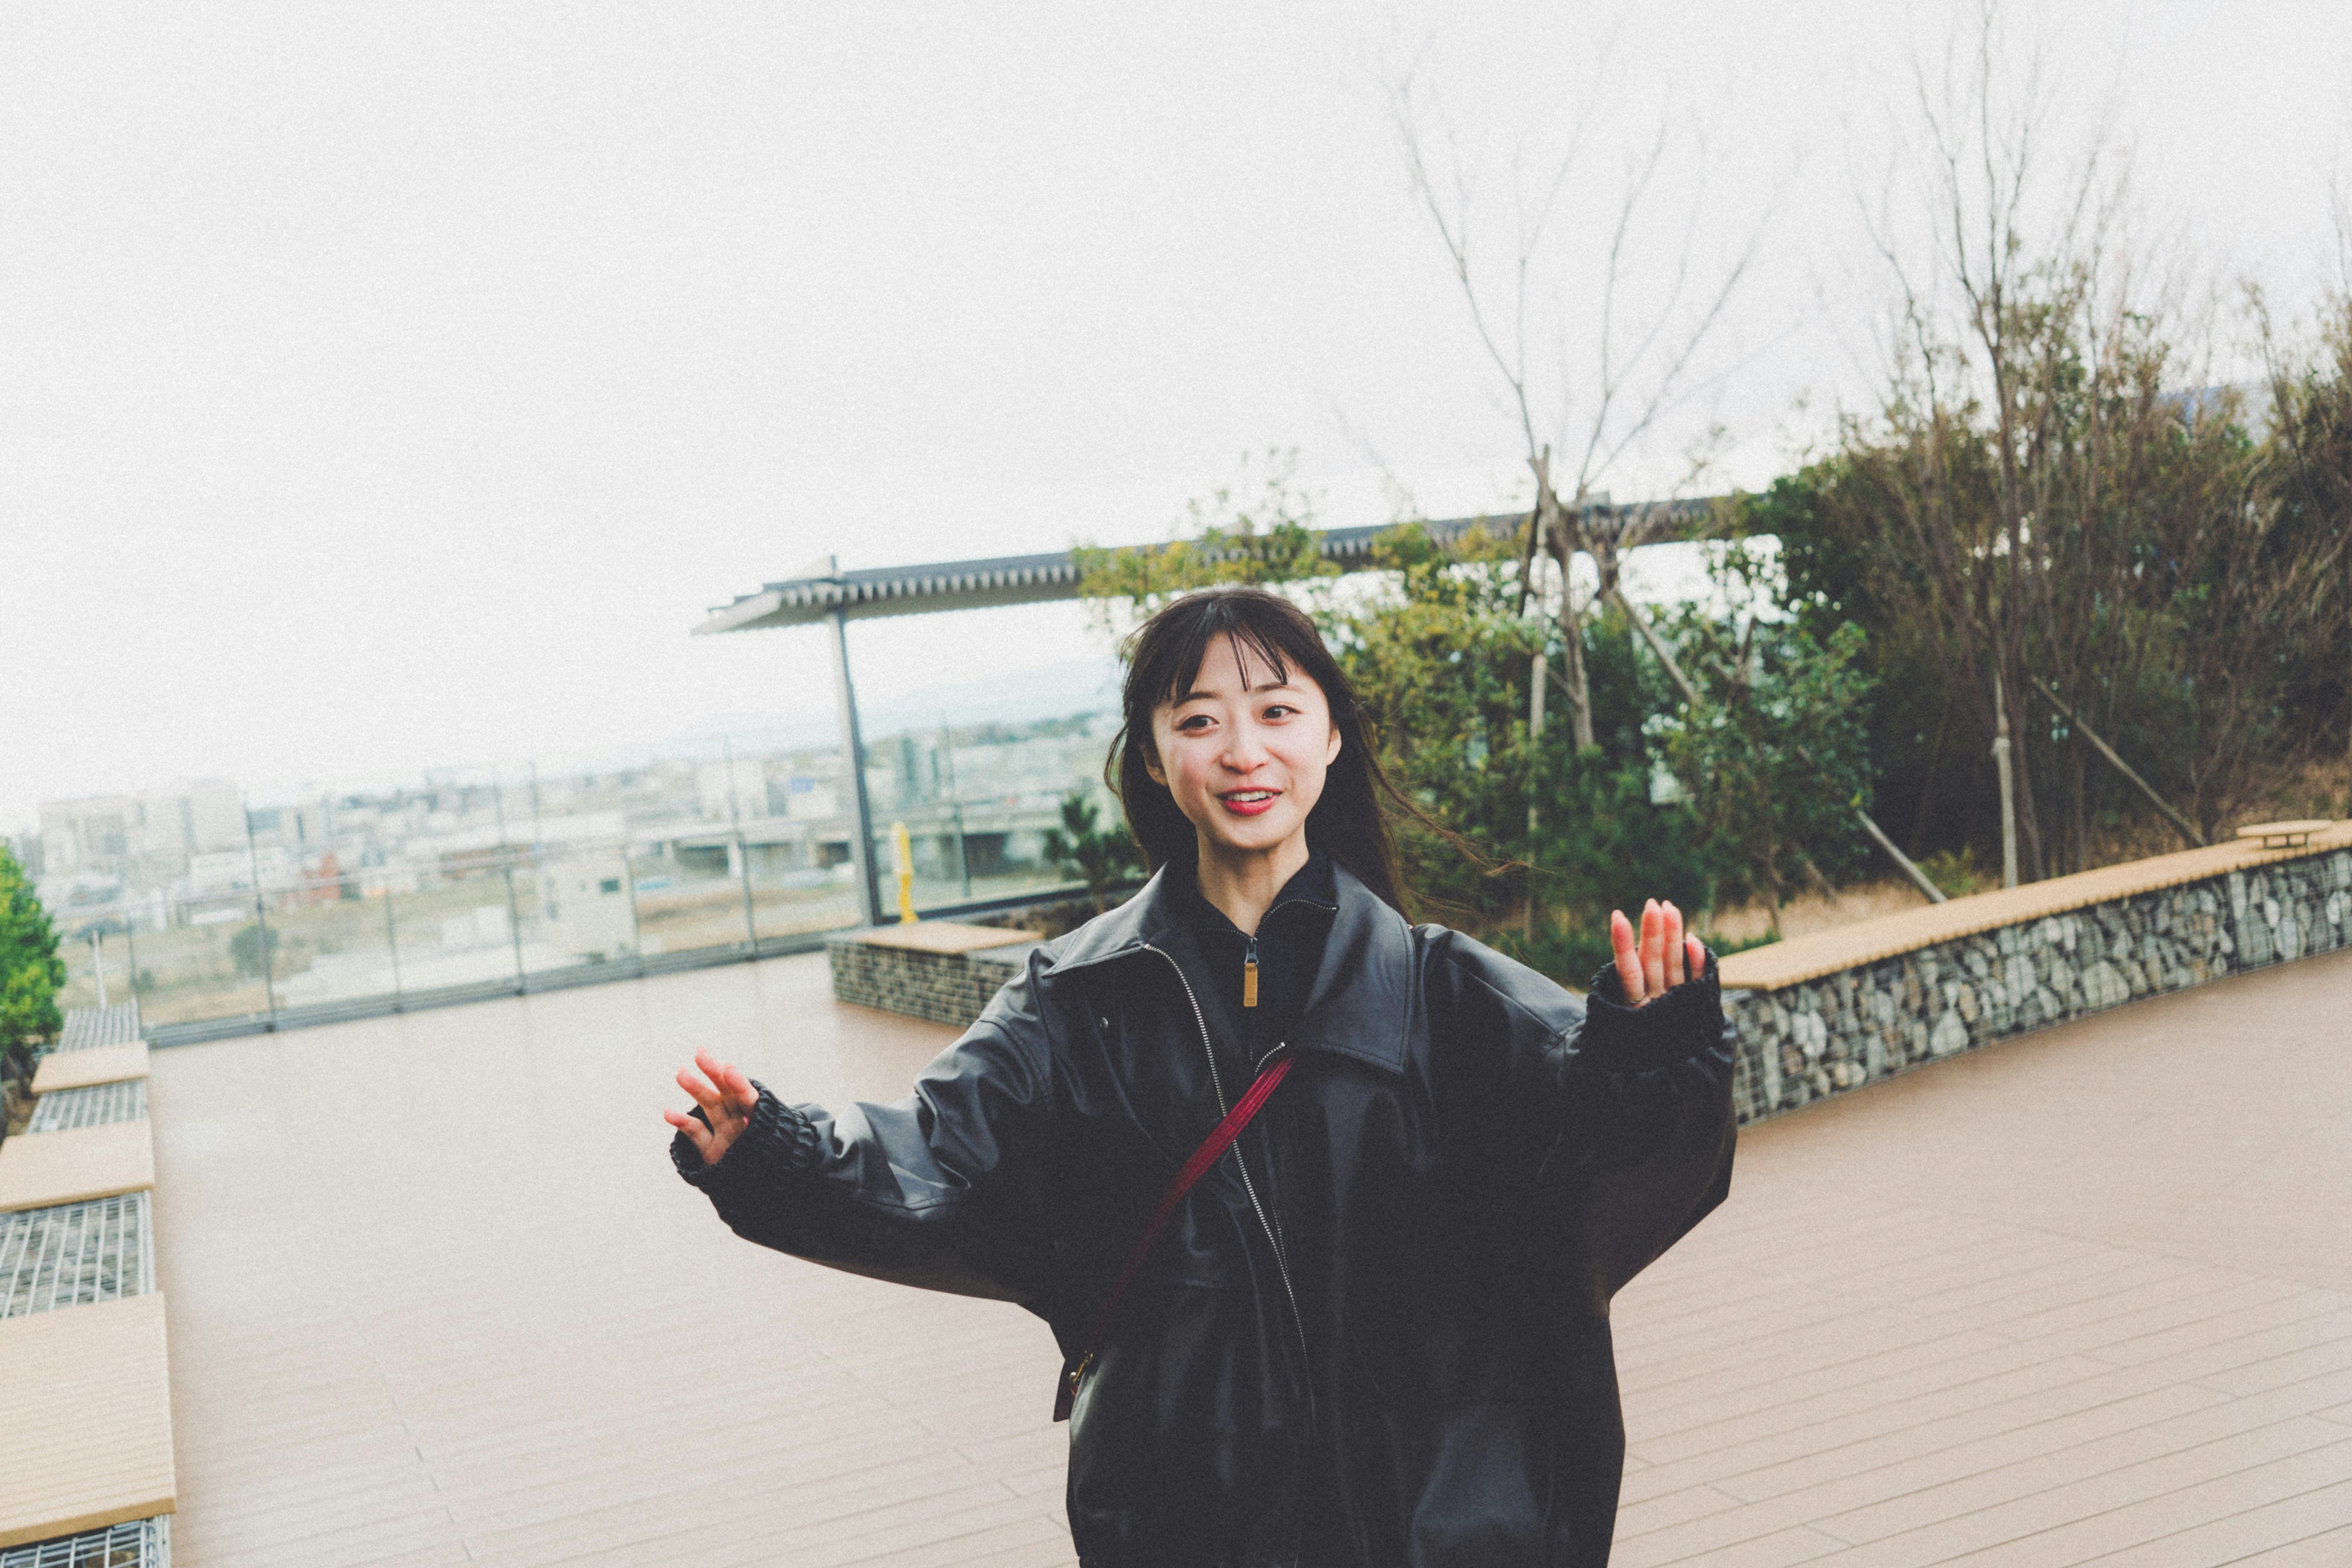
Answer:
(435, 1297)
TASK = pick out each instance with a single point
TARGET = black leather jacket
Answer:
(1379, 1337)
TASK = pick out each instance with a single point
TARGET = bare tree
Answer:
(2007, 308)
(1645, 360)
(2056, 492)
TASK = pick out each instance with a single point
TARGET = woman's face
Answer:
(1243, 752)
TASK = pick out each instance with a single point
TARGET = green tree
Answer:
(1442, 659)
(1442, 649)
(251, 947)
(1778, 757)
(1103, 859)
(30, 973)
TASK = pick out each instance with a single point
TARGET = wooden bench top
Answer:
(87, 1441)
(39, 1169)
(1846, 947)
(98, 1064)
(2284, 835)
(942, 936)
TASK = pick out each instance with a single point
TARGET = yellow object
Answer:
(902, 850)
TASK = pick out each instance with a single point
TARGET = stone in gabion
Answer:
(1831, 1033)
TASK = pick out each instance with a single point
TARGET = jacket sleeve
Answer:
(1646, 1131)
(941, 1190)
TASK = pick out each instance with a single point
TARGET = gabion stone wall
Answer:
(1817, 1037)
(944, 987)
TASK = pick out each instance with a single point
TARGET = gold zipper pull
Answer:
(1249, 975)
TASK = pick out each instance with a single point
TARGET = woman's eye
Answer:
(1280, 710)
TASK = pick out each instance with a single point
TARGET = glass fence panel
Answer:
(328, 942)
(943, 858)
(575, 909)
(688, 894)
(203, 960)
(969, 854)
(99, 953)
(487, 876)
(799, 887)
(453, 925)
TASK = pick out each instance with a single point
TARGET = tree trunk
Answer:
(2005, 765)
(2029, 814)
(1554, 532)
(2078, 852)
(1573, 671)
(1920, 818)
(1538, 677)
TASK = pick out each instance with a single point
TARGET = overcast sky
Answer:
(388, 386)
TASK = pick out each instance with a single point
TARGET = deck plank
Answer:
(40, 1169)
(88, 1438)
(436, 1298)
(96, 1064)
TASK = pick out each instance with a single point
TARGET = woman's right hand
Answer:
(726, 1097)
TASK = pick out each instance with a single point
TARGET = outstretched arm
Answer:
(942, 1189)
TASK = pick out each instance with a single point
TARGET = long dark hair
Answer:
(1350, 821)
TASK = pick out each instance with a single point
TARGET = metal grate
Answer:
(70, 1254)
(142, 1543)
(67, 1109)
(90, 1027)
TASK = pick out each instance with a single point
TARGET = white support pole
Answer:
(853, 750)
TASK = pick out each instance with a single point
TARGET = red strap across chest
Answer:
(1212, 1149)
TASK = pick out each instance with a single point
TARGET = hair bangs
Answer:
(1250, 640)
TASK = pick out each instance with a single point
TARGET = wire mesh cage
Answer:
(86, 1028)
(141, 1543)
(71, 1255)
(64, 1109)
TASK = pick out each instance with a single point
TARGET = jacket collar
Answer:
(1360, 1002)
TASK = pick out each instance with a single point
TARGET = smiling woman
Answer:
(1366, 1322)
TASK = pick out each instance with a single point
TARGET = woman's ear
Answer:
(1151, 768)
(1331, 753)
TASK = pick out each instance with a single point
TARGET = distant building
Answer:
(146, 838)
(26, 847)
(233, 870)
(587, 911)
(90, 836)
(729, 791)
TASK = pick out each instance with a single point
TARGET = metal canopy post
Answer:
(853, 750)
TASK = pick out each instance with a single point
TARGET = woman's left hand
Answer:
(1662, 958)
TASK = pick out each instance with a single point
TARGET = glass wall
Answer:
(519, 876)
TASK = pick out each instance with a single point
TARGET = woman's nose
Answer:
(1245, 747)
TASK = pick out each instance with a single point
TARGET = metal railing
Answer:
(387, 938)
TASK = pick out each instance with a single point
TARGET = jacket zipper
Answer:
(1281, 1264)
(1249, 974)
